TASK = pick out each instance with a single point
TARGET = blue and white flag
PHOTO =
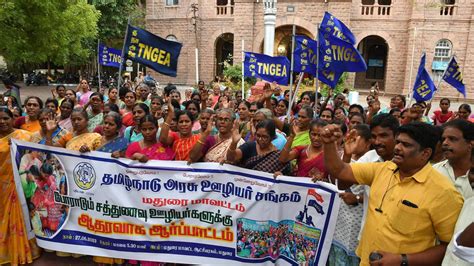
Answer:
(338, 55)
(453, 76)
(153, 51)
(424, 87)
(109, 56)
(333, 26)
(269, 68)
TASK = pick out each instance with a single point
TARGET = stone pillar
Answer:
(269, 21)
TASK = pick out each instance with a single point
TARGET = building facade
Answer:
(391, 35)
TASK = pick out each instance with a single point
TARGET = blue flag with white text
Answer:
(333, 26)
(453, 76)
(341, 56)
(153, 51)
(305, 61)
(424, 87)
(269, 68)
(109, 56)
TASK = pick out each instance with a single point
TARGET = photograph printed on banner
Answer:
(41, 176)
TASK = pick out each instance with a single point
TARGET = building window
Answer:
(441, 58)
(171, 37)
(221, 2)
(172, 2)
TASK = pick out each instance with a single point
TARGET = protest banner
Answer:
(109, 56)
(169, 211)
(269, 68)
(153, 51)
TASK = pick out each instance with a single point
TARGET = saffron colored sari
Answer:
(14, 245)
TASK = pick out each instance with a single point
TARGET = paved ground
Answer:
(45, 91)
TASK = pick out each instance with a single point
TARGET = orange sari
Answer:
(14, 245)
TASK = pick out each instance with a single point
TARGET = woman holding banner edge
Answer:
(14, 245)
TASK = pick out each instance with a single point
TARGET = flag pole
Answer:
(410, 95)
(119, 81)
(98, 61)
(243, 78)
(291, 73)
(441, 79)
(292, 99)
(317, 71)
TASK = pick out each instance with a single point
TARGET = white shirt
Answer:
(461, 183)
(369, 157)
(456, 254)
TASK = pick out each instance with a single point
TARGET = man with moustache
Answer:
(458, 136)
(411, 205)
(384, 128)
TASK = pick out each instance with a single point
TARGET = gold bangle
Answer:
(166, 124)
(200, 142)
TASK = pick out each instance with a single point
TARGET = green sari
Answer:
(301, 139)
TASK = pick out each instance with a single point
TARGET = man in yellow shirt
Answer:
(411, 205)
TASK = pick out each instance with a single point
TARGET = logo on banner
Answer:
(84, 176)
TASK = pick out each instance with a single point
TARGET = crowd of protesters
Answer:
(406, 174)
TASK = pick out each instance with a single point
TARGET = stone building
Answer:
(391, 34)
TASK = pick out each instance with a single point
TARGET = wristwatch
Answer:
(404, 260)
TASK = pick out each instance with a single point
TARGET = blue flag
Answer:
(315, 205)
(424, 87)
(305, 55)
(109, 56)
(453, 76)
(334, 27)
(153, 51)
(305, 61)
(267, 67)
(336, 54)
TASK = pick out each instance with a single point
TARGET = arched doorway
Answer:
(374, 49)
(282, 46)
(224, 51)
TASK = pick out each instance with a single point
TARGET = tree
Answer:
(38, 31)
(114, 16)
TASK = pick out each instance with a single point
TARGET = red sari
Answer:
(309, 167)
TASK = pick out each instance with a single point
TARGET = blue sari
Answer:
(118, 144)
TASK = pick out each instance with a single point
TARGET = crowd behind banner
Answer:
(403, 175)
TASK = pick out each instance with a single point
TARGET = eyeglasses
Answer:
(262, 137)
(220, 119)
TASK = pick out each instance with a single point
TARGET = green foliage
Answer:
(341, 85)
(233, 77)
(114, 17)
(37, 31)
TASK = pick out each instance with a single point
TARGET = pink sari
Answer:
(309, 167)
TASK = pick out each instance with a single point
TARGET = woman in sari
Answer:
(305, 115)
(83, 92)
(281, 109)
(64, 119)
(113, 98)
(30, 122)
(14, 245)
(213, 148)
(204, 117)
(156, 108)
(260, 155)
(96, 116)
(83, 140)
(244, 118)
(133, 133)
(182, 141)
(309, 158)
(111, 141)
(50, 133)
(148, 148)
(127, 113)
